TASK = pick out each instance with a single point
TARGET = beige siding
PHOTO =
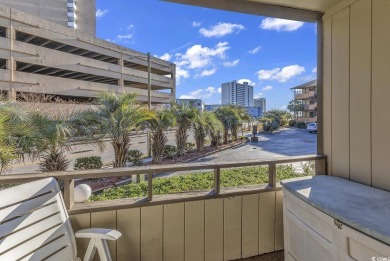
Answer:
(80, 222)
(194, 230)
(151, 233)
(327, 91)
(380, 93)
(340, 94)
(214, 229)
(173, 238)
(267, 222)
(250, 225)
(360, 92)
(129, 224)
(232, 228)
(356, 92)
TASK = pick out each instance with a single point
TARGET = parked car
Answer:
(312, 127)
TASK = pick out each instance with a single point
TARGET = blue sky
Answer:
(211, 47)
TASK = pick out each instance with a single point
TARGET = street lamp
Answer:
(149, 147)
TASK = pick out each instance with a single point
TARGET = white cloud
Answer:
(181, 73)
(283, 107)
(314, 70)
(280, 24)
(258, 95)
(231, 64)
(281, 75)
(221, 29)
(196, 24)
(198, 57)
(165, 56)
(100, 13)
(200, 93)
(219, 90)
(124, 36)
(241, 81)
(267, 88)
(208, 72)
(255, 50)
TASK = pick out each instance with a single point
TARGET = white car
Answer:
(312, 127)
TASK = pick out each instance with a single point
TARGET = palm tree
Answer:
(215, 127)
(160, 122)
(183, 115)
(16, 136)
(54, 133)
(115, 117)
(200, 127)
(229, 118)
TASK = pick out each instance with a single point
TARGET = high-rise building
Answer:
(80, 15)
(262, 103)
(237, 94)
(195, 103)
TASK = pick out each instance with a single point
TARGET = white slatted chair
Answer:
(34, 225)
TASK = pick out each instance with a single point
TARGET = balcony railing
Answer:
(302, 96)
(221, 224)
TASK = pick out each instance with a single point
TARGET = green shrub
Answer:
(170, 151)
(190, 146)
(93, 162)
(292, 123)
(197, 181)
(301, 125)
(135, 157)
(309, 168)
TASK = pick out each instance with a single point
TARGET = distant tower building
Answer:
(237, 94)
(80, 15)
(195, 103)
(261, 102)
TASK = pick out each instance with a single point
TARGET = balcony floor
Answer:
(276, 256)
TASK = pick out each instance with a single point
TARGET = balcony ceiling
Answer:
(303, 10)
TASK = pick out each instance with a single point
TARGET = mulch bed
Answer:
(104, 183)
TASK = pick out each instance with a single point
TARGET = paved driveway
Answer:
(284, 143)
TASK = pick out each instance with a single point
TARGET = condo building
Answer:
(237, 94)
(262, 103)
(194, 103)
(305, 97)
(40, 54)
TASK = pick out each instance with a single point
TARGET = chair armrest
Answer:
(98, 233)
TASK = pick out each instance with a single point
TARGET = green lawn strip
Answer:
(197, 181)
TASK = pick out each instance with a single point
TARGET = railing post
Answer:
(69, 193)
(150, 186)
(320, 167)
(217, 181)
(272, 174)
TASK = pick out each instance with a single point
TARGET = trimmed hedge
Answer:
(93, 162)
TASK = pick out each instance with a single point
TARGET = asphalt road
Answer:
(285, 143)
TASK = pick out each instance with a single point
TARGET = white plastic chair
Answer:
(34, 225)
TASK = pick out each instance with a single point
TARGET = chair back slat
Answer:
(35, 225)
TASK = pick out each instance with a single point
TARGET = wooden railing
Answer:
(69, 177)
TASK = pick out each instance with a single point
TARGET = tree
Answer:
(17, 136)
(294, 106)
(159, 123)
(183, 115)
(215, 127)
(54, 132)
(115, 117)
(273, 119)
(230, 118)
